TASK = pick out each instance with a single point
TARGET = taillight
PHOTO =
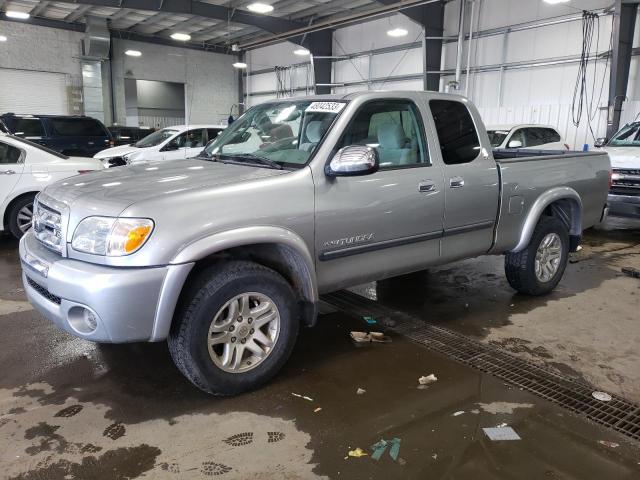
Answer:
(85, 171)
(112, 143)
(610, 178)
(566, 146)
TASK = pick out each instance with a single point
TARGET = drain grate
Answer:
(575, 395)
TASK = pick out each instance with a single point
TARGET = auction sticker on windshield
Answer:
(326, 107)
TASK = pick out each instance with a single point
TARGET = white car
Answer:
(171, 143)
(25, 169)
(624, 152)
(540, 137)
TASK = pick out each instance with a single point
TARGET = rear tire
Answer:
(20, 214)
(215, 322)
(535, 270)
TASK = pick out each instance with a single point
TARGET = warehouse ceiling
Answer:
(214, 23)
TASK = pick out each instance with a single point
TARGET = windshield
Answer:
(285, 133)
(39, 147)
(496, 137)
(628, 136)
(156, 138)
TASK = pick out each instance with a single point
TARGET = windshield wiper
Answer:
(250, 157)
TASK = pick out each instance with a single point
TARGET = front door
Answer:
(472, 188)
(385, 223)
(11, 167)
(186, 145)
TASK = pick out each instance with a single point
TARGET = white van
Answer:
(539, 137)
(171, 143)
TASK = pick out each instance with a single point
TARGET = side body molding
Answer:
(568, 196)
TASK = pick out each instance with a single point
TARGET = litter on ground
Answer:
(498, 434)
(631, 271)
(308, 399)
(370, 320)
(357, 452)
(375, 337)
(602, 396)
(459, 412)
(609, 444)
(380, 447)
(431, 378)
(361, 391)
(317, 410)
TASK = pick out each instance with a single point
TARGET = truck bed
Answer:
(527, 175)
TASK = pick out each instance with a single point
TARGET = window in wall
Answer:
(457, 134)
(393, 129)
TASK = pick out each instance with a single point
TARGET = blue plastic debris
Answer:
(380, 447)
(370, 320)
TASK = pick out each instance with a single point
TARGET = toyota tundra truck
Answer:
(225, 255)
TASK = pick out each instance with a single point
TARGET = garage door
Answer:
(24, 91)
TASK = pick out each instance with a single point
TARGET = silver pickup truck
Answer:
(225, 255)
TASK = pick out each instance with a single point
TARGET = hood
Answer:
(116, 151)
(624, 157)
(108, 192)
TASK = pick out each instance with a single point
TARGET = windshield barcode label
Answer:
(326, 107)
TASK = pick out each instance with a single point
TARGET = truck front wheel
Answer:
(538, 268)
(236, 328)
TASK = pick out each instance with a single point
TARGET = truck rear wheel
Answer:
(237, 327)
(538, 268)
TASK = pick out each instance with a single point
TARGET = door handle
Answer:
(426, 186)
(8, 172)
(456, 182)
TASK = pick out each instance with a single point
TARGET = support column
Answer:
(321, 44)
(242, 79)
(624, 22)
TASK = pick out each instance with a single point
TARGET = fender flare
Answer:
(542, 202)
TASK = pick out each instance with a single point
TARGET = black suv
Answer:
(128, 135)
(71, 135)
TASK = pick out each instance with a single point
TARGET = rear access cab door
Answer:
(471, 179)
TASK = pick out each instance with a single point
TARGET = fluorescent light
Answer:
(133, 53)
(260, 8)
(239, 65)
(183, 37)
(303, 52)
(554, 2)
(397, 32)
(3, 38)
(16, 14)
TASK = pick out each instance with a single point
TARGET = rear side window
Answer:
(77, 127)
(534, 137)
(551, 136)
(212, 133)
(457, 134)
(9, 154)
(28, 127)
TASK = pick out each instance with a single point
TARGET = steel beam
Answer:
(624, 21)
(320, 44)
(267, 23)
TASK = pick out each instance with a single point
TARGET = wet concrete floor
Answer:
(70, 409)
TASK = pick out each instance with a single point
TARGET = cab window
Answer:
(457, 134)
(393, 129)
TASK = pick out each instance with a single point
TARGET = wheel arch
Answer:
(10, 203)
(274, 247)
(561, 202)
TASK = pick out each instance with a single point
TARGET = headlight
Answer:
(113, 237)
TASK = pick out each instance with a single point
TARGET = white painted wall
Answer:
(210, 81)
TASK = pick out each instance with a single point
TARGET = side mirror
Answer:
(353, 160)
(600, 142)
(515, 144)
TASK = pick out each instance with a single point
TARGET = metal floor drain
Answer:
(575, 395)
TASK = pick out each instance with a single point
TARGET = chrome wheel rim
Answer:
(243, 332)
(25, 215)
(548, 257)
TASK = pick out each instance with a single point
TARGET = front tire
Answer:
(236, 328)
(538, 268)
(20, 215)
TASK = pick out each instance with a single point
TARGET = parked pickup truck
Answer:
(225, 255)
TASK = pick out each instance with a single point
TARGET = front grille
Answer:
(43, 291)
(575, 395)
(625, 181)
(47, 226)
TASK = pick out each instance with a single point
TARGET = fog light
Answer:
(82, 320)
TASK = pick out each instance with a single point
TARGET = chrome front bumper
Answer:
(624, 205)
(129, 304)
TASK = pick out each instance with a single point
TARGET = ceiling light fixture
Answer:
(260, 8)
(397, 32)
(303, 52)
(133, 53)
(182, 37)
(3, 38)
(239, 65)
(554, 2)
(16, 14)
